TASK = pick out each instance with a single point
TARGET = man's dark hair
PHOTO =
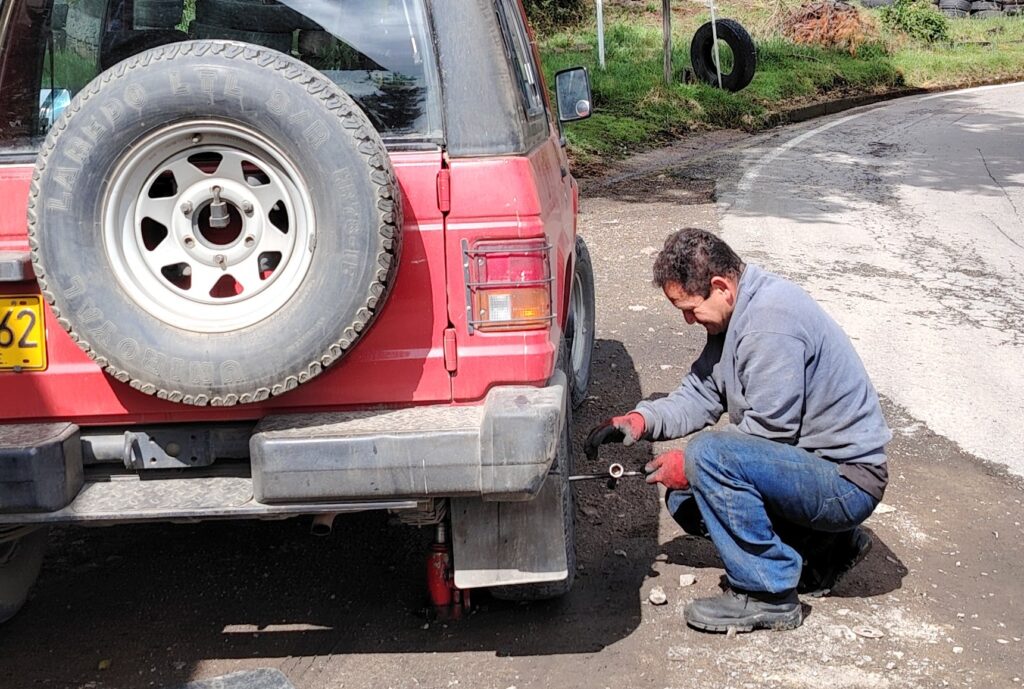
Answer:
(691, 257)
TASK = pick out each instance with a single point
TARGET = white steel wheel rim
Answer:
(166, 251)
(579, 326)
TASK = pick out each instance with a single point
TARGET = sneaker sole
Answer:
(774, 621)
(857, 559)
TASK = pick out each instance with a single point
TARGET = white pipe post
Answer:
(666, 28)
(600, 33)
(714, 37)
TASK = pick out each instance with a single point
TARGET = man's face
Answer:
(713, 312)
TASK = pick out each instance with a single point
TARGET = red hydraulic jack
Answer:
(449, 601)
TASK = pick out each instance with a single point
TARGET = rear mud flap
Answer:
(505, 543)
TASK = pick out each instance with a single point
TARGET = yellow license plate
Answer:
(22, 335)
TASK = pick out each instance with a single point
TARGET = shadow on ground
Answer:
(152, 602)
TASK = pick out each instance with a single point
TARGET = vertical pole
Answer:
(714, 39)
(666, 29)
(600, 33)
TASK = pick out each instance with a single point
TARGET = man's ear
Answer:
(725, 285)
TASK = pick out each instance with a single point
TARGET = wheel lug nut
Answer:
(189, 242)
(250, 240)
(186, 208)
(196, 138)
(220, 260)
(247, 208)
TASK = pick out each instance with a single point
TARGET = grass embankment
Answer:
(634, 109)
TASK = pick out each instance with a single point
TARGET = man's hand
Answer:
(632, 426)
(619, 429)
(668, 469)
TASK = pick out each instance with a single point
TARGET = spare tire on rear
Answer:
(213, 222)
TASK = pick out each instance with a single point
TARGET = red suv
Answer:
(296, 258)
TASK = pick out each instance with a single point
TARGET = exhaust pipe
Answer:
(323, 524)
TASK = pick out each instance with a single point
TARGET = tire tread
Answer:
(379, 167)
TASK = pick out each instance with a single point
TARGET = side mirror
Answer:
(572, 91)
(51, 105)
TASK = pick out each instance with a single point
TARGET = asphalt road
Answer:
(905, 221)
(881, 214)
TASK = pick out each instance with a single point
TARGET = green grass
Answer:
(73, 71)
(634, 109)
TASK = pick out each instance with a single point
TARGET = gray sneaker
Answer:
(745, 611)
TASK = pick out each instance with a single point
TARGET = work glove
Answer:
(625, 429)
(668, 469)
(631, 426)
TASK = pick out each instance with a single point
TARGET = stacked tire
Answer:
(979, 9)
(1013, 8)
(263, 22)
(986, 9)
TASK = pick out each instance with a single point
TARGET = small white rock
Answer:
(882, 508)
(620, 552)
(958, 650)
(868, 632)
(657, 596)
(637, 307)
(1002, 641)
(665, 367)
(687, 580)
(843, 612)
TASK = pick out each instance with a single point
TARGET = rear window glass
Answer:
(378, 51)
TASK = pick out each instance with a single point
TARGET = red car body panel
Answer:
(400, 361)
(516, 197)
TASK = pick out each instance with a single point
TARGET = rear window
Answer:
(378, 51)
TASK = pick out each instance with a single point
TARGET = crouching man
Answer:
(782, 489)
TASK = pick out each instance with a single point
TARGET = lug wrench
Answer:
(614, 473)
(598, 437)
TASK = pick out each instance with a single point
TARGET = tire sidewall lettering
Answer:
(75, 181)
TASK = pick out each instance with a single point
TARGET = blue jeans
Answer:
(758, 500)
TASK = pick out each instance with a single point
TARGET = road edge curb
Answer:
(831, 107)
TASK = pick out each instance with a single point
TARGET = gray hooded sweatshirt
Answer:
(785, 371)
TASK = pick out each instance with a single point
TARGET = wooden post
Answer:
(666, 29)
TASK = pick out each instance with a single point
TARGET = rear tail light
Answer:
(508, 285)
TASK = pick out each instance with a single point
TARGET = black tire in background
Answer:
(60, 14)
(281, 42)
(157, 14)
(20, 561)
(343, 180)
(876, 3)
(252, 15)
(123, 44)
(579, 330)
(959, 5)
(743, 51)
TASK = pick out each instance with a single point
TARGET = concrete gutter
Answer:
(809, 112)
